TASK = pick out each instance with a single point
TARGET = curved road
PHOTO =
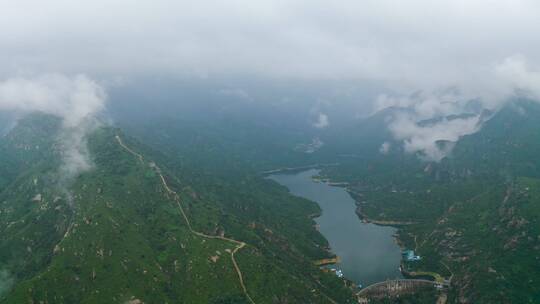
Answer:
(176, 197)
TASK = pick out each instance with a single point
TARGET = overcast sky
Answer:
(412, 43)
(479, 48)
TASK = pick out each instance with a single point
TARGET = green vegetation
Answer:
(454, 204)
(118, 237)
(474, 217)
(476, 213)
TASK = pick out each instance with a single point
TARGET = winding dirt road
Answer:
(176, 198)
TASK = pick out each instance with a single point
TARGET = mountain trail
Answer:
(176, 198)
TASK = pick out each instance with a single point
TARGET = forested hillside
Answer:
(473, 217)
(134, 229)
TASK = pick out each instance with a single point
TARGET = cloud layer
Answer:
(450, 51)
(414, 43)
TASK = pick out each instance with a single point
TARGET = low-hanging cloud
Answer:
(74, 99)
(385, 148)
(516, 72)
(433, 141)
(451, 52)
(429, 118)
(322, 121)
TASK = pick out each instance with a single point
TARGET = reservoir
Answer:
(368, 252)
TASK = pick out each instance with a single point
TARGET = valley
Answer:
(158, 239)
(200, 223)
(270, 152)
(368, 253)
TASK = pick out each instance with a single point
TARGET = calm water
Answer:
(368, 252)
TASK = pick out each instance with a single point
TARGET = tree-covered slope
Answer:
(473, 217)
(26, 145)
(117, 233)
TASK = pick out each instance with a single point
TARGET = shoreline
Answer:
(383, 223)
(293, 169)
(334, 259)
(430, 276)
(365, 219)
(328, 261)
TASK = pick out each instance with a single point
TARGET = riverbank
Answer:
(364, 218)
(296, 169)
(329, 261)
(354, 195)
(356, 263)
(367, 252)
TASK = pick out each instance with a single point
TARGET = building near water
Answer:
(338, 272)
(409, 256)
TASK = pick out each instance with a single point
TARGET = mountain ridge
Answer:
(128, 240)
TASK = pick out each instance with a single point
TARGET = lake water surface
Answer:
(368, 252)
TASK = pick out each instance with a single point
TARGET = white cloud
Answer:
(322, 121)
(407, 46)
(429, 140)
(413, 44)
(385, 147)
(516, 73)
(75, 99)
(402, 46)
(511, 76)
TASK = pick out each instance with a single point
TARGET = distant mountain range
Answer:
(176, 211)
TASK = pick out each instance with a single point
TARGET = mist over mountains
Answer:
(136, 140)
(320, 65)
